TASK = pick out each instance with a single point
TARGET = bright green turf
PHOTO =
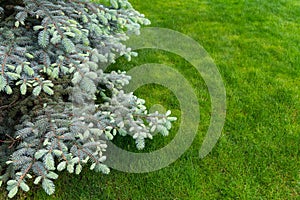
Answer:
(256, 47)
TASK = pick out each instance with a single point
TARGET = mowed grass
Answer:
(256, 47)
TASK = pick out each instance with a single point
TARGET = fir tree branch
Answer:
(24, 173)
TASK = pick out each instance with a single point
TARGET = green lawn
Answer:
(256, 47)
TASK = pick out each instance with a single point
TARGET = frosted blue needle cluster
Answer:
(58, 106)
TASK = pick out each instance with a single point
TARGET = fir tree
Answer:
(52, 54)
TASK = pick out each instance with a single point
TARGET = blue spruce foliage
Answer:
(51, 58)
